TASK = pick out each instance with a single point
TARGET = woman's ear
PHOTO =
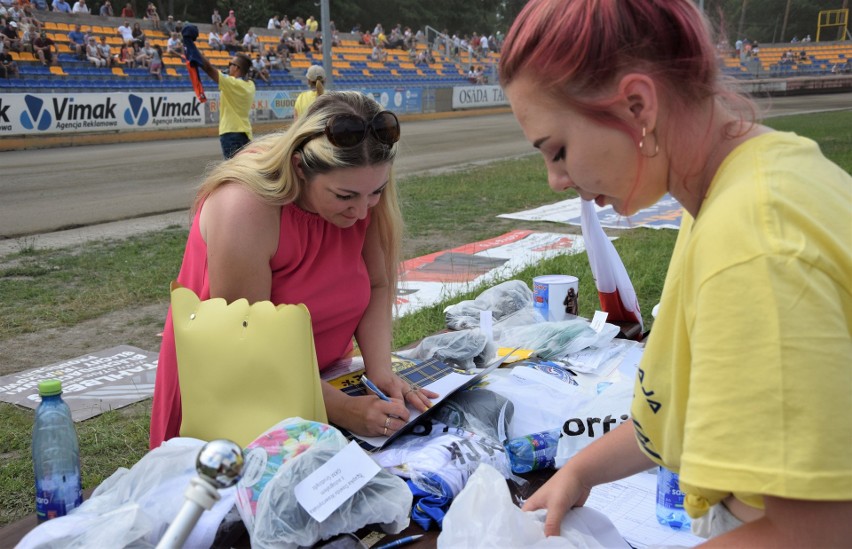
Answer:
(639, 94)
(296, 162)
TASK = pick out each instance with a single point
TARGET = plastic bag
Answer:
(466, 349)
(483, 515)
(281, 458)
(134, 507)
(598, 416)
(439, 459)
(502, 300)
(554, 340)
(541, 401)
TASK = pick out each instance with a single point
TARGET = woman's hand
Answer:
(563, 491)
(372, 416)
(397, 388)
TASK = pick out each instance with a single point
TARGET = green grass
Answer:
(56, 289)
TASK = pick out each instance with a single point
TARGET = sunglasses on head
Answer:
(349, 130)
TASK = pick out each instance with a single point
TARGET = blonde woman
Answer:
(308, 216)
(316, 80)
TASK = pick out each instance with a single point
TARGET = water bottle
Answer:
(532, 452)
(56, 455)
(670, 501)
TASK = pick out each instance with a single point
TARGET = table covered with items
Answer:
(457, 473)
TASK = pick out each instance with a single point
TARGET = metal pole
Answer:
(786, 18)
(742, 20)
(325, 20)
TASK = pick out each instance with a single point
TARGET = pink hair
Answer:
(577, 50)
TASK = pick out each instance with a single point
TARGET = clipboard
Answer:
(446, 386)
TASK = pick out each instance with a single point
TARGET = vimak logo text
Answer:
(36, 116)
(136, 114)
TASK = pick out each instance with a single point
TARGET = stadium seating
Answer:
(351, 62)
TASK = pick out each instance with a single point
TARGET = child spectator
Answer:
(155, 64)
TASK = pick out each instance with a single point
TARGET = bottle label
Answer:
(56, 496)
(544, 450)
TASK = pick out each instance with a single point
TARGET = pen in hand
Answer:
(372, 387)
(401, 541)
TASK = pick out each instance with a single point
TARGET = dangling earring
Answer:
(642, 149)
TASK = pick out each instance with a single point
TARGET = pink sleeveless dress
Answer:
(317, 263)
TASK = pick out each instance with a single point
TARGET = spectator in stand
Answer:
(316, 80)
(125, 32)
(286, 45)
(298, 24)
(126, 56)
(106, 9)
(28, 27)
(215, 41)
(152, 15)
(250, 42)
(61, 6)
(144, 54)
(335, 39)
(316, 43)
(356, 29)
(170, 26)
(80, 7)
(367, 39)
(77, 42)
(230, 42)
(93, 56)
(311, 25)
(155, 63)
(274, 61)
(378, 29)
(46, 50)
(230, 23)
(127, 11)
(379, 54)
(301, 43)
(105, 52)
(285, 24)
(216, 21)
(175, 45)
(10, 37)
(274, 23)
(40, 5)
(483, 45)
(139, 35)
(259, 69)
(8, 67)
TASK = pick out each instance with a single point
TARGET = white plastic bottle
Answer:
(56, 455)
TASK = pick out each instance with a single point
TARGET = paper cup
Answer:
(555, 296)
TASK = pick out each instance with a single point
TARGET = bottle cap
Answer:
(49, 387)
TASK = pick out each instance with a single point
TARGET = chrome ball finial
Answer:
(220, 462)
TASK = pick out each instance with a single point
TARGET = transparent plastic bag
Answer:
(502, 300)
(555, 340)
(483, 516)
(281, 458)
(134, 507)
(466, 349)
(439, 459)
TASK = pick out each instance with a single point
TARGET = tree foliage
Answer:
(763, 20)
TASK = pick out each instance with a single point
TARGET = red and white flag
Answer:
(616, 293)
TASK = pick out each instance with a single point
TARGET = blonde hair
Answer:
(264, 166)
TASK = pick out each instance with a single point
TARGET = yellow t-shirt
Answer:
(304, 101)
(745, 386)
(235, 99)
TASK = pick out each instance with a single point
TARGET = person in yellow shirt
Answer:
(316, 80)
(745, 385)
(236, 95)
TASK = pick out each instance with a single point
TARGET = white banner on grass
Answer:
(665, 214)
(435, 277)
